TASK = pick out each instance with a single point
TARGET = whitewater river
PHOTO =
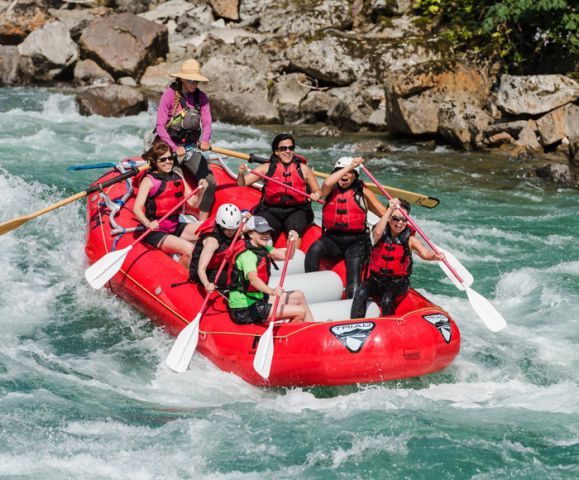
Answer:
(84, 393)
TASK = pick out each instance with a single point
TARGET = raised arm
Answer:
(331, 181)
(380, 227)
(244, 180)
(374, 205)
(195, 200)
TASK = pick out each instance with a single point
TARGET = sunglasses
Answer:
(165, 159)
(191, 82)
(291, 148)
(396, 218)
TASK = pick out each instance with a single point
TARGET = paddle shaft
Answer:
(164, 217)
(244, 156)
(416, 227)
(10, 225)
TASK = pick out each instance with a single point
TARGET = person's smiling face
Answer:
(347, 179)
(260, 239)
(165, 163)
(285, 150)
(397, 222)
(189, 86)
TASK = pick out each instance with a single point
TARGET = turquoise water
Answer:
(84, 392)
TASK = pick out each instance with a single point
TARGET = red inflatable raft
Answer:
(420, 338)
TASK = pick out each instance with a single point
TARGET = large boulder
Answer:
(111, 101)
(87, 72)
(239, 81)
(15, 69)
(535, 94)
(21, 18)
(463, 124)
(329, 59)
(288, 92)
(157, 77)
(51, 50)
(418, 98)
(558, 124)
(124, 44)
(303, 18)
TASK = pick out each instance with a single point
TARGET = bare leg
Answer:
(172, 244)
(297, 297)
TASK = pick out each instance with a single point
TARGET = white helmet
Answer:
(346, 162)
(228, 216)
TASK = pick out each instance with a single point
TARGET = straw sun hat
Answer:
(191, 70)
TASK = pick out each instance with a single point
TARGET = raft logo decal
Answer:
(353, 335)
(442, 324)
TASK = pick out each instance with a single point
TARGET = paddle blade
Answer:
(493, 320)
(102, 271)
(459, 268)
(10, 225)
(264, 353)
(184, 347)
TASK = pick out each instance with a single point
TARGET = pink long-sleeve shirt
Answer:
(166, 109)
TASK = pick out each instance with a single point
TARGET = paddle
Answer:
(92, 166)
(410, 197)
(184, 347)
(264, 352)
(10, 225)
(106, 267)
(493, 320)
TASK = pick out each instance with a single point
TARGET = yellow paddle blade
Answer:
(410, 197)
(10, 225)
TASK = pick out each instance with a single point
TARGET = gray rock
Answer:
(87, 72)
(111, 101)
(512, 128)
(328, 59)
(51, 50)
(317, 104)
(535, 94)
(528, 138)
(127, 81)
(156, 78)
(462, 124)
(21, 19)
(77, 20)
(556, 172)
(124, 44)
(244, 108)
(559, 124)
(14, 68)
(303, 18)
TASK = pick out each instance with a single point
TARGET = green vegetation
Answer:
(526, 35)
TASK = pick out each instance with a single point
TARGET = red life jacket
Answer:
(169, 194)
(342, 211)
(290, 174)
(205, 230)
(392, 257)
(236, 278)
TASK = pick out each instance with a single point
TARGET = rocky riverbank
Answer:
(355, 66)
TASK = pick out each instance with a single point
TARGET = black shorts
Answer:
(284, 219)
(256, 313)
(154, 238)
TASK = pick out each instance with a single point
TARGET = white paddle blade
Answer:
(459, 268)
(102, 271)
(493, 320)
(184, 347)
(264, 353)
